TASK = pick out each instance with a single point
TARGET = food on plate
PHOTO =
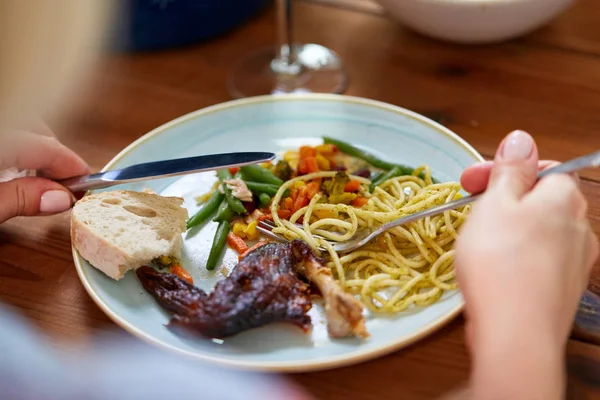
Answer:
(331, 191)
(263, 288)
(343, 311)
(117, 231)
(313, 195)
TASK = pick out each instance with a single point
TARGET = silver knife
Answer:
(164, 169)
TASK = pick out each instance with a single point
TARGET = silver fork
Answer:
(362, 237)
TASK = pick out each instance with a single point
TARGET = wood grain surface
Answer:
(547, 83)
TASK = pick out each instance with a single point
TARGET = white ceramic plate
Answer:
(276, 124)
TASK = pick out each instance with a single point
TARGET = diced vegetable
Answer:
(256, 173)
(235, 203)
(236, 243)
(342, 198)
(165, 260)
(207, 210)
(283, 170)
(244, 231)
(396, 171)
(259, 187)
(239, 228)
(251, 249)
(302, 166)
(323, 163)
(225, 213)
(307, 151)
(288, 202)
(322, 214)
(311, 164)
(182, 273)
(301, 200)
(233, 170)
(292, 158)
(218, 245)
(335, 189)
(363, 173)
(359, 202)
(352, 186)
(327, 149)
(284, 214)
(251, 232)
(312, 189)
(264, 199)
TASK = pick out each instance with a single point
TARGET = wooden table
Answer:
(547, 83)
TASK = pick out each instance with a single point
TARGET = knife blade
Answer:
(164, 169)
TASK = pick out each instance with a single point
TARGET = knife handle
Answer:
(87, 182)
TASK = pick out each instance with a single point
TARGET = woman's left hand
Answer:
(42, 152)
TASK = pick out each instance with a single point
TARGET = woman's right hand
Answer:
(523, 257)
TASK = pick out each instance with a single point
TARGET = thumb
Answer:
(516, 165)
(32, 196)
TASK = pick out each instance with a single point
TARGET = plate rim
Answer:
(278, 366)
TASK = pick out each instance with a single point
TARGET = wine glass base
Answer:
(317, 70)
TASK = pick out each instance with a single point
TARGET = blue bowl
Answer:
(160, 24)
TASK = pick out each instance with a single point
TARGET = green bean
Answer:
(358, 153)
(258, 187)
(218, 245)
(264, 199)
(396, 171)
(371, 158)
(225, 213)
(207, 210)
(235, 203)
(256, 173)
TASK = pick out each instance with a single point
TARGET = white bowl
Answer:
(475, 21)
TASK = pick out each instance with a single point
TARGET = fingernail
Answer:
(54, 201)
(517, 146)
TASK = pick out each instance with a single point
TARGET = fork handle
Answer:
(590, 160)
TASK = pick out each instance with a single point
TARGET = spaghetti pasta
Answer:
(412, 264)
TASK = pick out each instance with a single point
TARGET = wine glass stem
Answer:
(285, 61)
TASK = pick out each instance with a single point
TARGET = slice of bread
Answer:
(121, 230)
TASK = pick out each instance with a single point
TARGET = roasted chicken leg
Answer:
(343, 311)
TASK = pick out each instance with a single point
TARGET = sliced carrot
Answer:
(284, 214)
(265, 217)
(312, 189)
(311, 164)
(251, 249)
(288, 203)
(293, 193)
(182, 273)
(236, 243)
(352, 186)
(302, 199)
(234, 170)
(302, 166)
(307, 151)
(359, 202)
